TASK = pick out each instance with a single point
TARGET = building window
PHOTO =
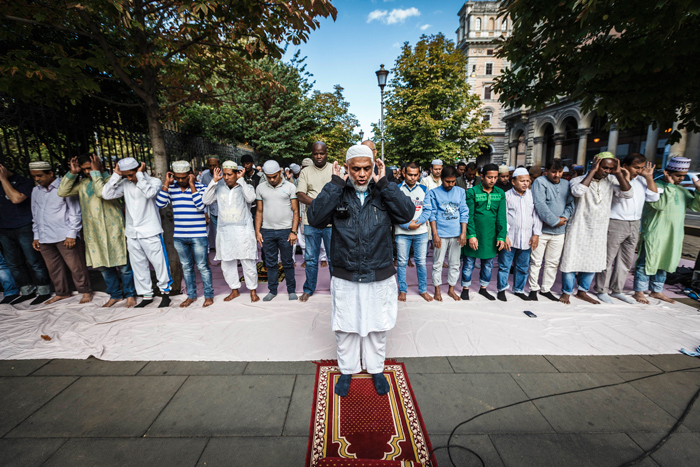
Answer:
(489, 51)
(489, 68)
(491, 28)
(504, 25)
(473, 68)
(477, 24)
(487, 92)
(487, 119)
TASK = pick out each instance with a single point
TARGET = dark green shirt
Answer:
(487, 221)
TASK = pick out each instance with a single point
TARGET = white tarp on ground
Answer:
(292, 331)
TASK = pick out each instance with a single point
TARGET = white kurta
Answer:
(363, 307)
(585, 246)
(235, 233)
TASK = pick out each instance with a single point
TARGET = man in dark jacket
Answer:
(362, 207)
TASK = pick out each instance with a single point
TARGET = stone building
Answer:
(479, 27)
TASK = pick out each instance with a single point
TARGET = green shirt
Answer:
(663, 227)
(487, 221)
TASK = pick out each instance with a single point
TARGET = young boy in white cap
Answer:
(190, 236)
(663, 231)
(235, 236)
(276, 222)
(144, 234)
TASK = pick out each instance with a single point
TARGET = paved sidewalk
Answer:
(97, 413)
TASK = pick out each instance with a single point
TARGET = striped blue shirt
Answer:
(188, 210)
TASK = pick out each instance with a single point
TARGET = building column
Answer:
(678, 148)
(582, 145)
(612, 139)
(558, 141)
(512, 152)
(652, 142)
(539, 142)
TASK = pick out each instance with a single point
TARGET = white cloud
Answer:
(397, 45)
(397, 15)
(424, 27)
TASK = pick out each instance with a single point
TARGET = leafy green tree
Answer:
(634, 60)
(166, 52)
(335, 125)
(430, 111)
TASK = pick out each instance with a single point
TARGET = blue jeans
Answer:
(194, 251)
(570, 279)
(111, 277)
(484, 273)
(420, 251)
(522, 263)
(276, 244)
(641, 280)
(6, 280)
(313, 237)
(18, 251)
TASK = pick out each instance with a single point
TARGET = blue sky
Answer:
(366, 34)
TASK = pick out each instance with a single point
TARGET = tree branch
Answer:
(54, 26)
(110, 101)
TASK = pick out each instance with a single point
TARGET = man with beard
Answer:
(363, 288)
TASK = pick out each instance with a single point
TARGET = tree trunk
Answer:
(155, 130)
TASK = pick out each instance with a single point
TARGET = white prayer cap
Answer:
(128, 163)
(566, 169)
(503, 169)
(358, 151)
(307, 162)
(295, 168)
(271, 167)
(181, 167)
(520, 171)
(678, 164)
(511, 168)
(229, 165)
(436, 162)
(40, 165)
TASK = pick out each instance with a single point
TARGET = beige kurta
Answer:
(585, 245)
(103, 220)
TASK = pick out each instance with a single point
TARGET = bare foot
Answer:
(304, 297)
(207, 302)
(394, 263)
(410, 263)
(234, 293)
(111, 302)
(451, 292)
(87, 298)
(641, 298)
(438, 295)
(427, 297)
(564, 299)
(254, 296)
(130, 302)
(662, 297)
(187, 303)
(303, 265)
(55, 298)
(581, 295)
(445, 265)
(324, 264)
(402, 296)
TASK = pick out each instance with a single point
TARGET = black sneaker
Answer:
(465, 294)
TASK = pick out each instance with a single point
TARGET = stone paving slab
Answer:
(280, 368)
(245, 405)
(571, 450)
(101, 406)
(89, 367)
(192, 368)
(502, 364)
(298, 419)
(20, 397)
(254, 451)
(421, 365)
(543, 384)
(601, 364)
(481, 444)
(672, 392)
(446, 400)
(129, 452)
(27, 452)
(673, 362)
(20, 367)
(682, 449)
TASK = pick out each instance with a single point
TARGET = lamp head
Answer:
(381, 76)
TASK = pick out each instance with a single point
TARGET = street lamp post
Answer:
(381, 80)
(362, 135)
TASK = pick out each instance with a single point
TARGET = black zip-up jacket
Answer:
(361, 249)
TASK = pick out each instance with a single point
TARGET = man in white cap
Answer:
(57, 225)
(361, 209)
(190, 237)
(236, 234)
(276, 223)
(663, 231)
(296, 170)
(144, 234)
(433, 180)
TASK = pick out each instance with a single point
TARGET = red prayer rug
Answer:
(364, 428)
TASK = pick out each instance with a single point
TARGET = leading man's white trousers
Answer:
(141, 252)
(356, 353)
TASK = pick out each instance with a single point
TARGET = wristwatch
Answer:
(294, 232)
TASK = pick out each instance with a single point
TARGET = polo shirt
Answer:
(277, 204)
